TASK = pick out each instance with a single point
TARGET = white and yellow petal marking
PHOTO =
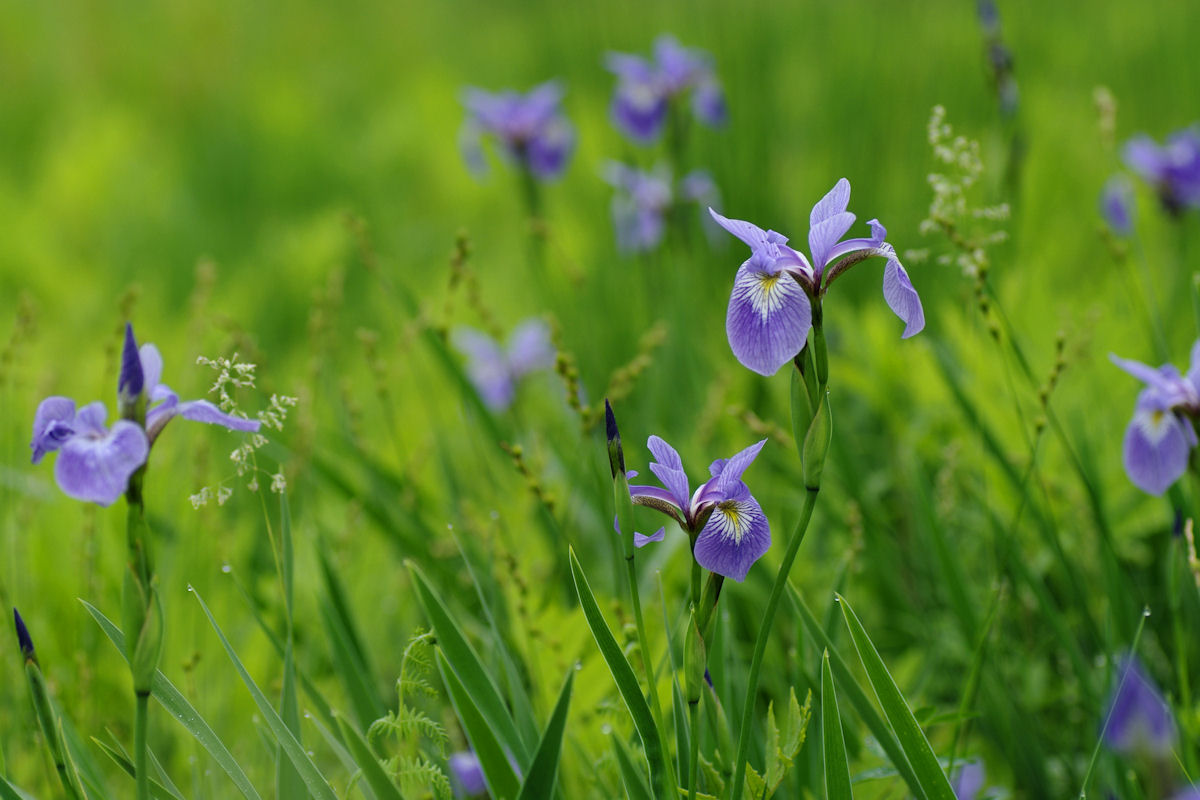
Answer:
(1154, 424)
(766, 293)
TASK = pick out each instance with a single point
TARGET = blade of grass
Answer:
(908, 733)
(539, 783)
(156, 788)
(858, 698)
(343, 755)
(372, 772)
(837, 767)
(466, 665)
(631, 776)
(314, 782)
(501, 780)
(287, 779)
(178, 707)
(626, 680)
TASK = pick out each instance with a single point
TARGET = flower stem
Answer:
(694, 746)
(140, 748)
(764, 632)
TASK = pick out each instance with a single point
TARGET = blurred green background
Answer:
(273, 178)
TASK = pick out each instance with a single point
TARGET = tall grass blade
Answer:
(372, 772)
(858, 698)
(539, 783)
(626, 680)
(631, 775)
(837, 766)
(178, 707)
(314, 782)
(287, 780)
(912, 739)
(156, 788)
(501, 780)
(470, 670)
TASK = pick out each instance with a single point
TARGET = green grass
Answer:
(284, 181)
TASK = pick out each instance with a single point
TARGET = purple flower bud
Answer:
(23, 638)
(132, 380)
(616, 455)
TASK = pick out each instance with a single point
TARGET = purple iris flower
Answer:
(495, 369)
(1138, 719)
(1192, 793)
(1160, 436)
(646, 87)
(1117, 205)
(770, 309)
(468, 773)
(968, 781)
(95, 462)
(640, 206)
(530, 128)
(1173, 169)
(727, 525)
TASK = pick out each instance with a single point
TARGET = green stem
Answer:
(694, 741)
(764, 632)
(140, 748)
(643, 642)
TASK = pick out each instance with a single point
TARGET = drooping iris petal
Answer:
(708, 104)
(97, 468)
(52, 425)
(549, 149)
(639, 110)
(668, 468)
(735, 536)
(768, 318)
(641, 541)
(1138, 719)
(1157, 443)
(902, 298)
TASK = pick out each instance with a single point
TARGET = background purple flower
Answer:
(1138, 719)
(646, 87)
(495, 369)
(530, 128)
(1173, 168)
(1117, 205)
(639, 206)
(968, 781)
(468, 773)
(1160, 437)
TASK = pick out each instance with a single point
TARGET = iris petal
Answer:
(1156, 449)
(902, 298)
(52, 425)
(97, 468)
(735, 536)
(768, 319)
